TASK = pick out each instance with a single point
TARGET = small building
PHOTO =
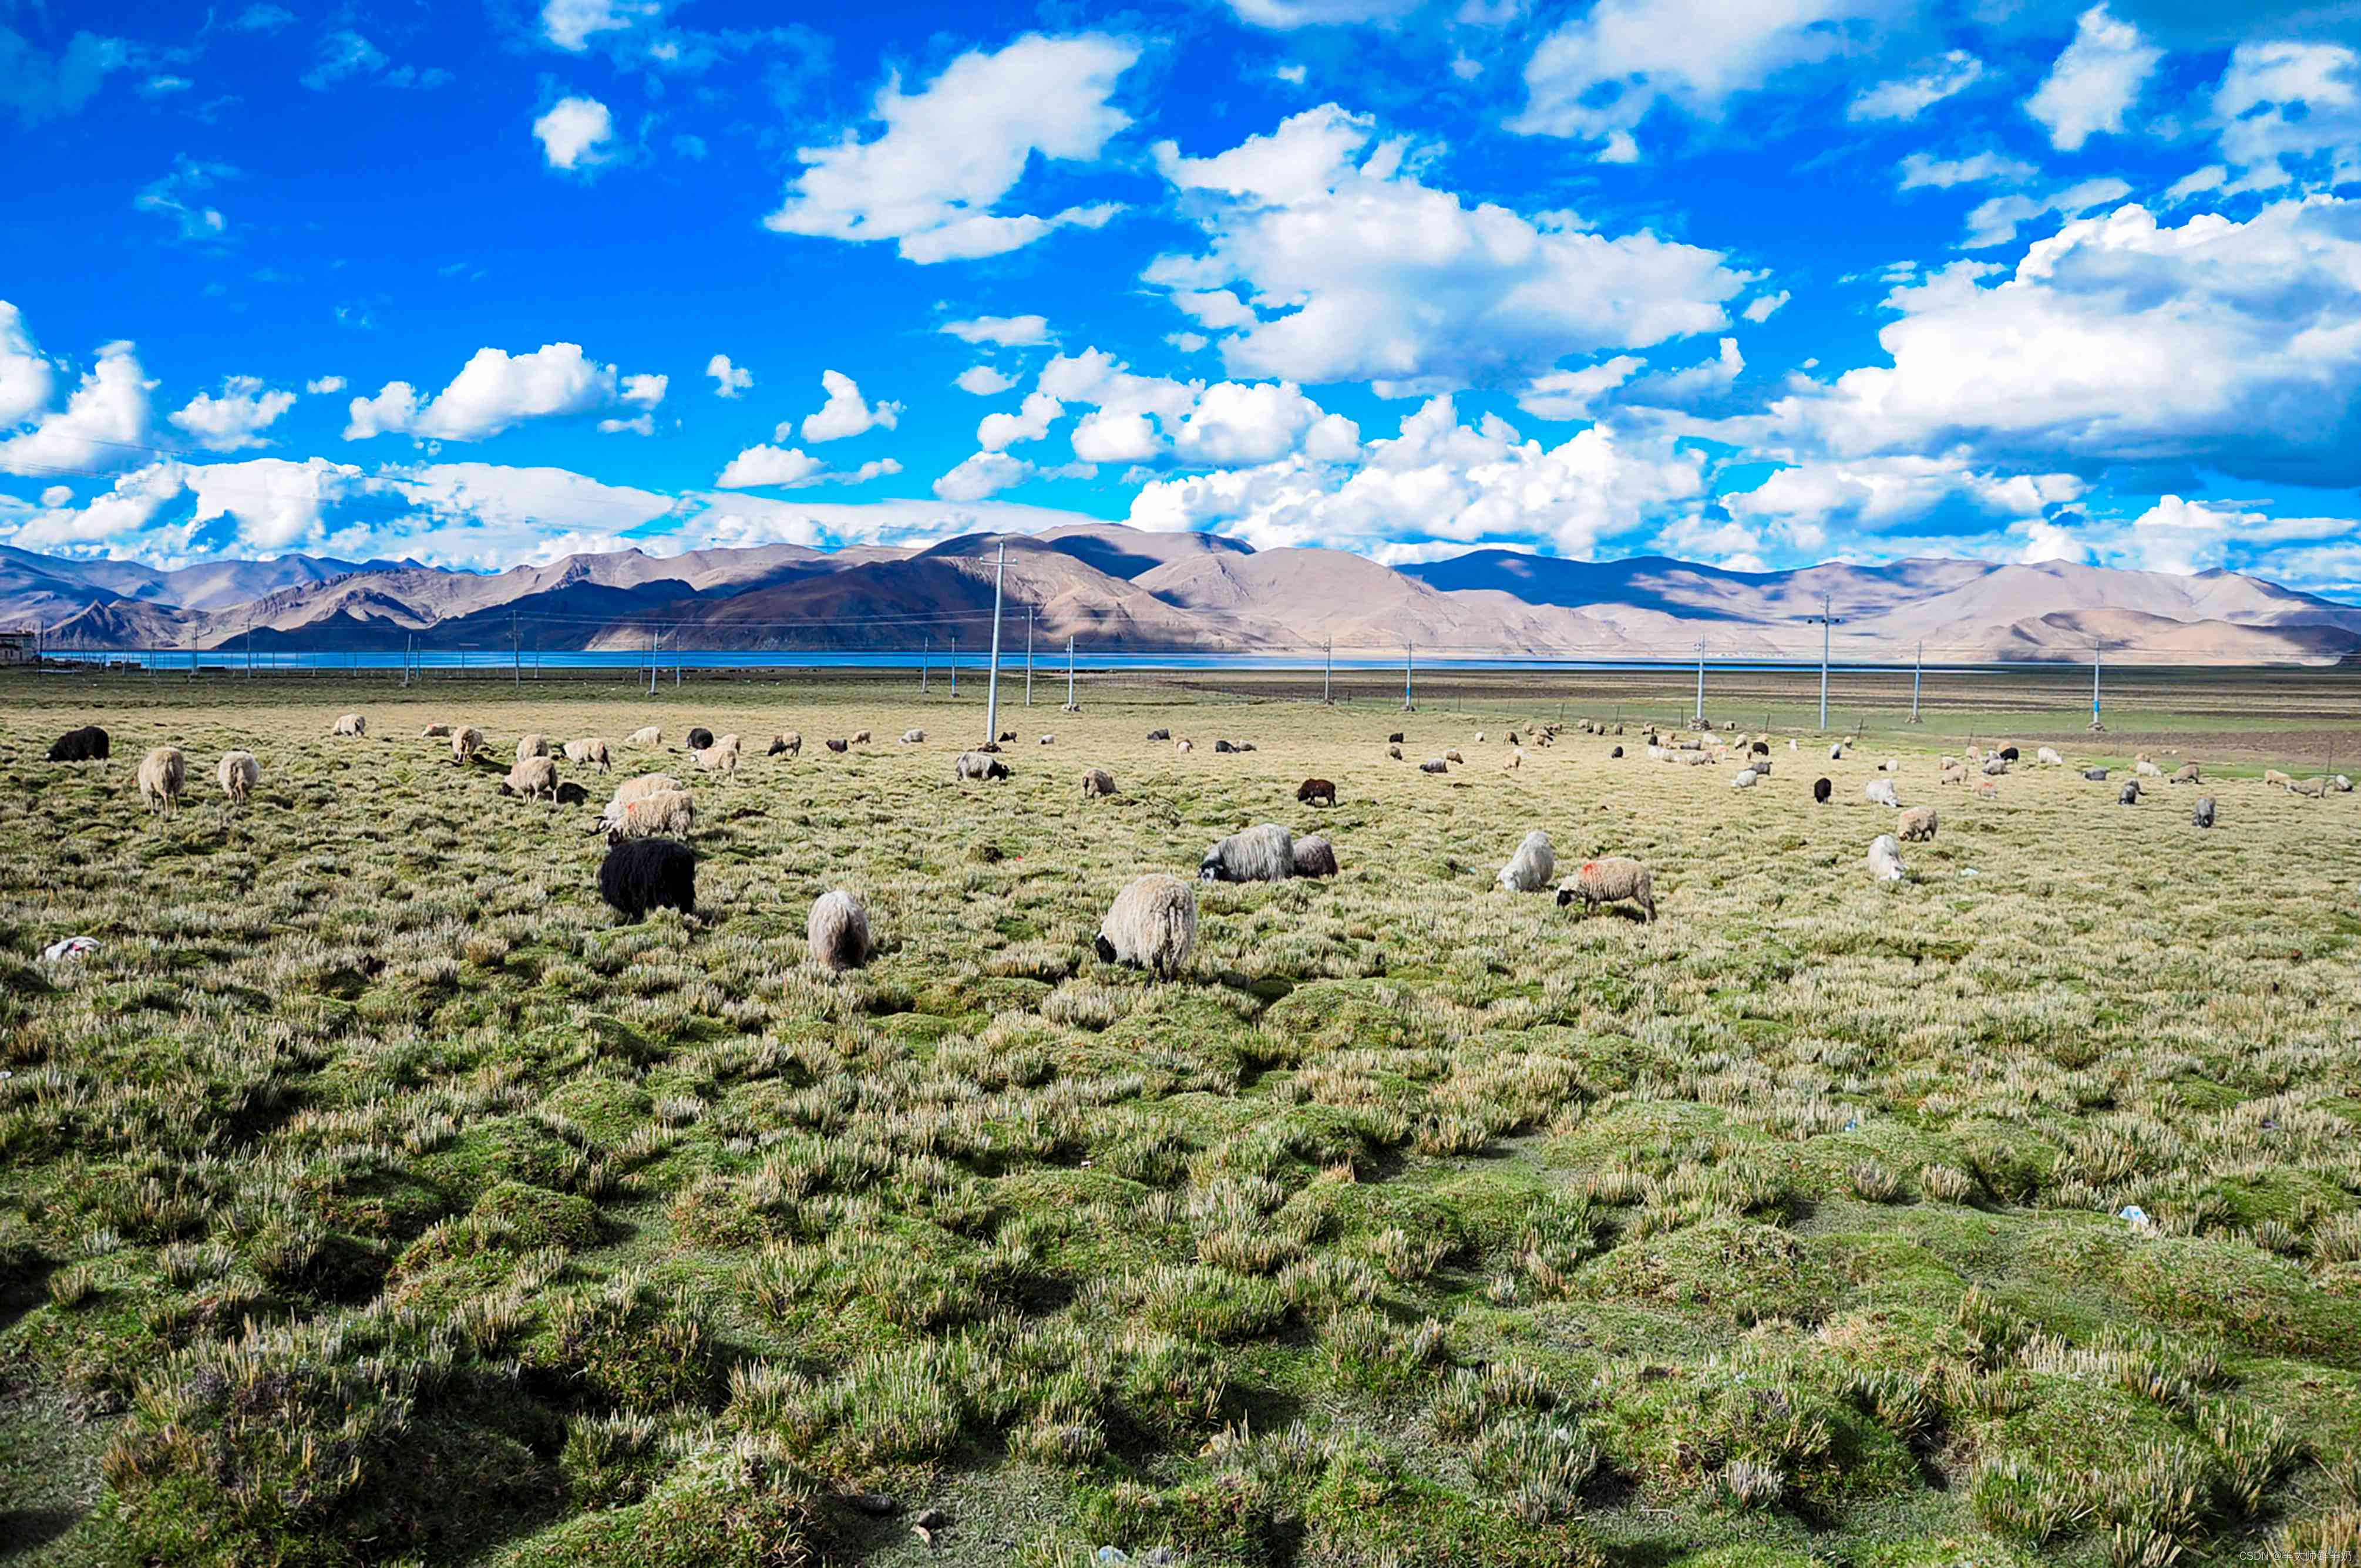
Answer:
(20, 647)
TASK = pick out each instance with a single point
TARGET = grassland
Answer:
(373, 1197)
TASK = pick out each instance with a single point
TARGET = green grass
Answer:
(373, 1197)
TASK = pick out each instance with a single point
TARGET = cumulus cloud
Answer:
(982, 380)
(949, 155)
(845, 413)
(1995, 222)
(1706, 380)
(1378, 277)
(780, 467)
(729, 379)
(1804, 505)
(1596, 77)
(1004, 332)
(101, 428)
(1285, 15)
(26, 380)
(324, 385)
(2286, 109)
(343, 54)
(493, 391)
(574, 133)
(571, 23)
(1762, 307)
(1571, 394)
(235, 420)
(1238, 423)
(2094, 83)
(2185, 537)
(1910, 96)
(998, 432)
(982, 476)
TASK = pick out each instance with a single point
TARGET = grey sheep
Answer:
(1264, 853)
(1886, 858)
(1097, 781)
(1151, 925)
(239, 772)
(162, 772)
(2203, 816)
(838, 747)
(1531, 868)
(837, 935)
(978, 765)
(1315, 856)
(1994, 766)
(913, 737)
(2130, 796)
(651, 735)
(1617, 879)
(1881, 791)
(2096, 776)
(1917, 825)
(1159, 735)
(1434, 765)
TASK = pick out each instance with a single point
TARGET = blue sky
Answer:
(1759, 282)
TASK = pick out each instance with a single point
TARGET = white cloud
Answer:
(174, 197)
(26, 380)
(237, 418)
(277, 504)
(343, 54)
(643, 392)
(324, 386)
(1570, 394)
(492, 391)
(2095, 82)
(2185, 537)
(981, 476)
(781, 467)
(1697, 381)
(1596, 77)
(101, 428)
(845, 413)
(1285, 15)
(982, 380)
(2282, 104)
(1995, 222)
(1876, 495)
(575, 132)
(1116, 435)
(729, 379)
(1005, 331)
(951, 153)
(1238, 423)
(639, 424)
(998, 432)
(1919, 170)
(1910, 96)
(39, 86)
(57, 496)
(263, 17)
(1762, 307)
(1381, 278)
(571, 23)
(114, 519)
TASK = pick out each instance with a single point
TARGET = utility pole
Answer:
(1825, 621)
(516, 655)
(1699, 719)
(652, 665)
(954, 637)
(1410, 677)
(1069, 674)
(2098, 654)
(1028, 655)
(1917, 674)
(1328, 677)
(249, 647)
(992, 682)
(926, 652)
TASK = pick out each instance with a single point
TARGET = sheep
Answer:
(1453, 756)
(162, 771)
(789, 742)
(597, 748)
(1264, 853)
(643, 786)
(1886, 858)
(1996, 766)
(572, 793)
(238, 772)
(2186, 775)
(837, 935)
(1097, 781)
(1836, 753)
(2316, 788)
(2048, 757)
(1223, 746)
(2270, 776)
(1315, 856)
(977, 765)
(1986, 789)
(2340, 784)
(1917, 825)
(1617, 879)
(1315, 792)
(1791, 743)
(1479, 737)
(1183, 746)
(721, 757)
(641, 874)
(2096, 776)
(350, 724)
(700, 738)
(1434, 765)
(651, 735)
(87, 744)
(1395, 752)
(1512, 739)
(533, 777)
(2009, 753)
(465, 742)
(913, 737)
(1891, 765)
(1159, 735)
(1975, 753)
(861, 738)
(1821, 790)
(1396, 739)
(532, 746)
(1152, 925)
(434, 732)
(2146, 769)
(1616, 755)
(1048, 740)
(665, 813)
(1745, 779)
(838, 747)
(1957, 773)
(1761, 766)
(1760, 749)
(2130, 796)
(1880, 792)
(2203, 815)
(1531, 868)
(1004, 735)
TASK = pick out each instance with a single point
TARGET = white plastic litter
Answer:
(72, 947)
(2137, 1217)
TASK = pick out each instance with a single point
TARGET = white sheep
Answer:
(837, 935)
(650, 735)
(1614, 879)
(1917, 825)
(1049, 740)
(1264, 853)
(534, 778)
(595, 749)
(1880, 792)
(2147, 770)
(1836, 753)
(1886, 858)
(978, 765)
(1097, 781)
(1531, 868)
(1744, 779)
(162, 772)
(861, 738)
(1152, 924)
(642, 787)
(721, 757)
(2048, 757)
(667, 814)
(913, 737)
(350, 724)
(787, 743)
(532, 746)
(239, 772)
(434, 732)
(465, 742)
(1996, 766)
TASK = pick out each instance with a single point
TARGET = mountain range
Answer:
(1115, 587)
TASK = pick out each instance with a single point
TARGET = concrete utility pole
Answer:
(651, 664)
(1328, 676)
(516, 655)
(1028, 655)
(1917, 674)
(992, 683)
(2098, 655)
(1410, 677)
(925, 653)
(1699, 719)
(954, 637)
(1070, 708)
(1825, 620)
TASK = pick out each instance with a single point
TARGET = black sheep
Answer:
(1617, 753)
(1008, 735)
(1159, 735)
(839, 746)
(1761, 748)
(87, 744)
(1315, 792)
(1223, 746)
(641, 874)
(1395, 738)
(1821, 788)
(2008, 754)
(700, 738)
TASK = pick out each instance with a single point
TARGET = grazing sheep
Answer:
(162, 772)
(1616, 754)
(1395, 738)
(1453, 756)
(1891, 765)
(532, 746)
(2270, 776)
(2130, 796)
(350, 724)
(1761, 766)
(1479, 737)
(1434, 765)
(1836, 753)
(838, 747)
(1821, 790)
(1049, 740)
(1917, 825)
(1315, 856)
(434, 732)
(1760, 749)
(1880, 792)
(643, 786)
(465, 742)
(664, 814)
(1617, 878)
(1183, 746)
(2147, 770)
(2048, 757)
(787, 743)
(1517, 757)
(2009, 753)
(1975, 753)
(1996, 766)
(2316, 788)
(1957, 773)
(913, 737)
(1264, 853)
(861, 738)
(1097, 781)
(239, 772)
(1886, 858)
(1159, 735)
(87, 744)
(1151, 925)
(989, 746)
(1223, 746)
(700, 738)
(533, 777)
(1395, 752)
(1531, 868)
(837, 935)
(641, 874)
(652, 735)
(2203, 816)
(2186, 775)
(572, 793)
(1744, 779)
(2340, 784)
(1986, 789)
(1315, 792)
(1512, 739)
(2096, 776)
(977, 765)
(597, 748)
(721, 757)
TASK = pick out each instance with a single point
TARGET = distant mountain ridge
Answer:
(1112, 587)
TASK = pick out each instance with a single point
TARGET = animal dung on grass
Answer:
(1097, 782)
(87, 744)
(238, 772)
(163, 773)
(597, 751)
(1316, 792)
(1261, 853)
(788, 743)
(2203, 815)
(979, 765)
(1315, 856)
(534, 778)
(1531, 868)
(1917, 825)
(1886, 858)
(350, 724)
(641, 874)
(1152, 925)
(1615, 879)
(837, 935)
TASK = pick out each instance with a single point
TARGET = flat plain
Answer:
(373, 1195)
